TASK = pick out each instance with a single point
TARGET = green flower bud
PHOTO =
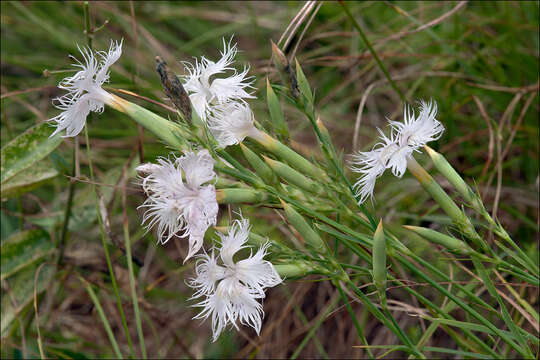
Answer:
(258, 165)
(448, 242)
(234, 196)
(304, 229)
(294, 270)
(166, 130)
(288, 155)
(379, 258)
(292, 176)
(444, 167)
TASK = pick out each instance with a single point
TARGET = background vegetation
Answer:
(478, 60)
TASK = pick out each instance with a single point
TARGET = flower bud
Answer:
(234, 196)
(294, 270)
(292, 176)
(288, 155)
(444, 167)
(379, 258)
(446, 241)
(258, 165)
(304, 229)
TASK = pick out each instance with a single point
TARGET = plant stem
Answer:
(67, 214)
(104, 243)
(132, 284)
(103, 318)
(375, 56)
(446, 203)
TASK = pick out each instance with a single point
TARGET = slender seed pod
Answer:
(304, 229)
(448, 242)
(260, 167)
(379, 259)
(328, 146)
(166, 130)
(288, 155)
(324, 131)
(292, 176)
(444, 167)
(234, 196)
(294, 270)
(445, 202)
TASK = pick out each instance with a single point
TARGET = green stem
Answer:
(392, 325)
(104, 243)
(446, 203)
(355, 320)
(132, 286)
(87, 25)
(103, 318)
(315, 327)
(375, 56)
(67, 213)
(463, 305)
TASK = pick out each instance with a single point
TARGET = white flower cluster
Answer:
(220, 100)
(177, 206)
(84, 89)
(393, 151)
(181, 197)
(230, 291)
(181, 203)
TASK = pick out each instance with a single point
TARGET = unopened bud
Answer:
(304, 229)
(446, 241)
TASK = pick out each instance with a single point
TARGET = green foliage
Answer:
(23, 249)
(26, 150)
(22, 293)
(464, 303)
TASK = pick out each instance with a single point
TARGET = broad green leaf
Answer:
(84, 212)
(276, 114)
(8, 223)
(22, 292)
(29, 179)
(23, 249)
(27, 149)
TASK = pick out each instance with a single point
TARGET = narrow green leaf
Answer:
(27, 149)
(504, 311)
(23, 249)
(103, 318)
(482, 328)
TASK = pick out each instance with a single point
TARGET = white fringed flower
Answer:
(206, 92)
(180, 208)
(415, 132)
(231, 290)
(392, 152)
(85, 91)
(231, 122)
